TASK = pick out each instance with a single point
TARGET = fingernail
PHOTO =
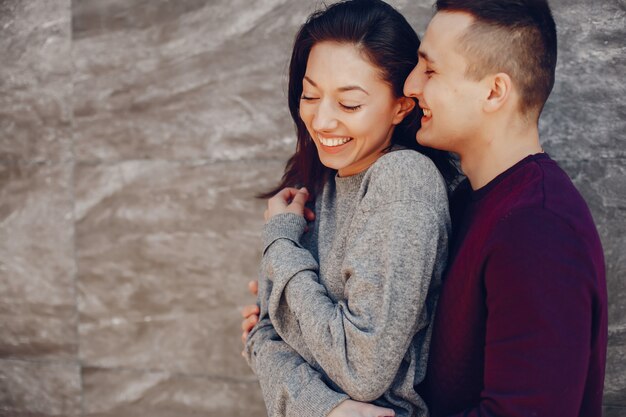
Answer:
(303, 189)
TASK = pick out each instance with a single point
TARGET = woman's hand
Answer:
(351, 408)
(289, 200)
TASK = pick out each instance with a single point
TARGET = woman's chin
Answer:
(331, 163)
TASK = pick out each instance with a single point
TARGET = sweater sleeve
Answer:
(361, 340)
(290, 385)
(540, 288)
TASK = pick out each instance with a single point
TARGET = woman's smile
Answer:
(333, 144)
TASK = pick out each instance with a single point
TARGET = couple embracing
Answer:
(388, 287)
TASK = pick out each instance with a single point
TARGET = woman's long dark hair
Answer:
(385, 37)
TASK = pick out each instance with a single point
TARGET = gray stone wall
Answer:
(133, 134)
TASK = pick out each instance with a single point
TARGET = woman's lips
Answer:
(333, 144)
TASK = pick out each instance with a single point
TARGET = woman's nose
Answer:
(325, 118)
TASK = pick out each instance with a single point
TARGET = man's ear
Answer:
(500, 88)
(407, 104)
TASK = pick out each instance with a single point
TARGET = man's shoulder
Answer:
(549, 195)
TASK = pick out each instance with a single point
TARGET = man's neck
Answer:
(491, 157)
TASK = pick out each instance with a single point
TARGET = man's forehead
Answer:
(443, 33)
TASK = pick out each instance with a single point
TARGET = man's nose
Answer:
(325, 118)
(414, 83)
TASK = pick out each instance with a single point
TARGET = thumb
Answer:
(300, 199)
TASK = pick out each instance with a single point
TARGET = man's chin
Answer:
(428, 141)
(423, 139)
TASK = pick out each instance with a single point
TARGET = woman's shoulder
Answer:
(407, 174)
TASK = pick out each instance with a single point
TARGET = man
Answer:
(521, 324)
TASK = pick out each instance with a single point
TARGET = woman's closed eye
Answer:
(350, 108)
(346, 107)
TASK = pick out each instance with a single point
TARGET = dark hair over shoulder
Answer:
(513, 36)
(385, 38)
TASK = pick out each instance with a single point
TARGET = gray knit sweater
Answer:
(346, 307)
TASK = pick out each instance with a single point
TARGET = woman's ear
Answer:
(406, 106)
(500, 87)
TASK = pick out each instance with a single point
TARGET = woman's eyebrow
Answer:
(341, 89)
(352, 87)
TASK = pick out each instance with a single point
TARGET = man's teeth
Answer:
(427, 112)
(333, 141)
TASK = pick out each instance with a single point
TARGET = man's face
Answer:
(451, 102)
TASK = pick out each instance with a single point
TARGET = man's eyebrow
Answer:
(342, 89)
(424, 55)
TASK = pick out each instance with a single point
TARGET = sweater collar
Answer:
(486, 189)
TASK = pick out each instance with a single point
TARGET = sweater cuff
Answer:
(316, 400)
(283, 226)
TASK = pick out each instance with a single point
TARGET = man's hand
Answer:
(250, 312)
(289, 200)
(351, 408)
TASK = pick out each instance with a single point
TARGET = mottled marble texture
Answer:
(125, 393)
(37, 295)
(39, 389)
(35, 81)
(133, 135)
(164, 251)
(194, 79)
(585, 119)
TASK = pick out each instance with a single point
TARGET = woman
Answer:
(346, 307)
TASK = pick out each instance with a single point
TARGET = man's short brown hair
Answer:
(517, 37)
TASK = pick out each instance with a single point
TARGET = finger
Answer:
(253, 287)
(300, 198)
(309, 214)
(249, 323)
(286, 194)
(248, 310)
(280, 201)
(244, 337)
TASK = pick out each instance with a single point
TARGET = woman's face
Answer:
(349, 111)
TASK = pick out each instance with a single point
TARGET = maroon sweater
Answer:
(521, 324)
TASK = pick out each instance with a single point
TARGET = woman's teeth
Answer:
(427, 112)
(333, 141)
